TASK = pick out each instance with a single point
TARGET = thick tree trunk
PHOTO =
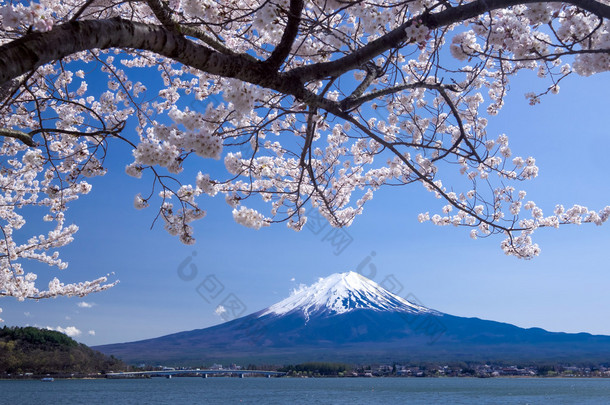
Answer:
(36, 49)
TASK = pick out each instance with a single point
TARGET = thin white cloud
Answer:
(71, 331)
(84, 304)
(292, 279)
(91, 332)
(297, 290)
(220, 310)
(68, 318)
(27, 314)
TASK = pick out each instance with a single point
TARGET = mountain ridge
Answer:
(348, 318)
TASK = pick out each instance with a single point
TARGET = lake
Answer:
(263, 391)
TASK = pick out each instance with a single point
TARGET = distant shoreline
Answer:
(103, 377)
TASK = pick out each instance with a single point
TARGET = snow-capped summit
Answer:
(340, 293)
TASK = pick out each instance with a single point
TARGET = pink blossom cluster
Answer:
(19, 16)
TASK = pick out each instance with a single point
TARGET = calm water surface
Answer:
(262, 391)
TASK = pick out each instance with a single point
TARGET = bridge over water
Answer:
(193, 373)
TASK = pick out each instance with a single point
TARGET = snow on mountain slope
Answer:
(341, 293)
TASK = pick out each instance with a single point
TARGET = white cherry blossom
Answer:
(312, 105)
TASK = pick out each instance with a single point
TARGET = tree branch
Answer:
(35, 49)
(165, 17)
(395, 37)
(349, 103)
(22, 136)
(422, 177)
(81, 10)
(463, 137)
(282, 50)
(9, 88)
(163, 14)
(372, 73)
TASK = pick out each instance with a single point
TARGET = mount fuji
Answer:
(349, 318)
(342, 293)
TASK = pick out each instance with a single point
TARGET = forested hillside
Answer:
(42, 351)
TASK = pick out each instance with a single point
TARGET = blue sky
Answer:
(565, 289)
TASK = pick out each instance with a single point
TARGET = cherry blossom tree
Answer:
(312, 105)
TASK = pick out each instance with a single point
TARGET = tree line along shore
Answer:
(30, 352)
